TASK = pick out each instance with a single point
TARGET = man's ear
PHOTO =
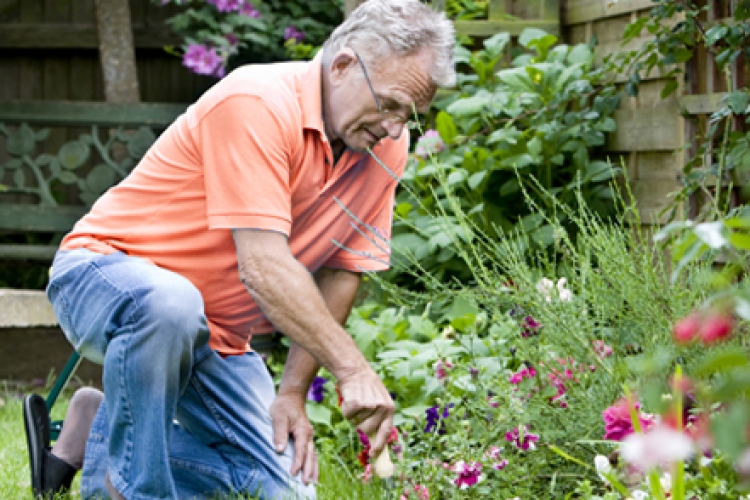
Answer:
(341, 63)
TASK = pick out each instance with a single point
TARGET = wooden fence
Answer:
(656, 137)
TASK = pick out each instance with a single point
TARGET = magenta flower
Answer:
(468, 474)
(519, 377)
(202, 60)
(429, 144)
(529, 327)
(292, 32)
(248, 9)
(493, 452)
(317, 389)
(523, 441)
(500, 465)
(617, 422)
(440, 369)
(225, 5)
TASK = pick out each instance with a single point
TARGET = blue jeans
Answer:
(178, 420)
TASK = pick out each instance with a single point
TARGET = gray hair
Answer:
(384, 28)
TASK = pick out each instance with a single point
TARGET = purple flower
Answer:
(430, 143)
(529, 327)
(317, 389)
(202, 60)
(468, 474)
(292, 32)
(433, 417)
(500, 465)
(524, 442)
(248, 9)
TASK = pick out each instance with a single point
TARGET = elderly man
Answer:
(233, 224)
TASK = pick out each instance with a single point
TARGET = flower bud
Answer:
(686, 329)
(716, 327)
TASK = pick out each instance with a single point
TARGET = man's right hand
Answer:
(369, 406)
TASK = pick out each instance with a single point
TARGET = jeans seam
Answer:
(230, 436)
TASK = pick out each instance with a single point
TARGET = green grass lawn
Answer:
(336, 481)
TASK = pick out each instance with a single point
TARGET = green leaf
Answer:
(140, 142)
(721, 361)
(73, 155)
(21, 141)
(470, 105)
(446, 127)
(476, 179)
(580, 54)
(529, 35)
(13, 163)
(669, 88)
(67, 177)
(318, 414)
(740, 240)
(100, 179)
(496, 43)
(738, 102)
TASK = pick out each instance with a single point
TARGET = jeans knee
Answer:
(175, 309)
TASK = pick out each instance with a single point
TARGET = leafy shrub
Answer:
(539, 118)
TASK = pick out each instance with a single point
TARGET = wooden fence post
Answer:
(116, 51)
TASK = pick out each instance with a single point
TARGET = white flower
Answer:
(639, 495)
(660, 446)
(546, 287)
(602, 466)
(565, 294)
(705, 462)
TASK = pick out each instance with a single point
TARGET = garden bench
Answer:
(45, 191)
(48, 182)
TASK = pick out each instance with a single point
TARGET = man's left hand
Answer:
(290, 419)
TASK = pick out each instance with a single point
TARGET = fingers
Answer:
(304, 452)
(380, 434)
(280, 427)
(310, 468)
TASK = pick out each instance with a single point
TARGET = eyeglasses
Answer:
(387, 114)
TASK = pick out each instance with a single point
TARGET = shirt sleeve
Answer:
(245, 152)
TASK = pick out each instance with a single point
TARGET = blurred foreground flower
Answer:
(710, 327)
(660, 446)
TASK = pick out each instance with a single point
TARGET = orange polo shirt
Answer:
(250, 153)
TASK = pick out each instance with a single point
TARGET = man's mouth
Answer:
(374, 138)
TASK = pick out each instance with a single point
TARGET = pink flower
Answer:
(422, 492)
(468, 474)
(529, 327)
(493, 452)
(522, 442)
(440, 369)
(367, 474)
(686, 329)
(519, 377)
(602, 350)
(716, 326)
(429, 144)
(617, 422)
(202, 60)
(500, 465)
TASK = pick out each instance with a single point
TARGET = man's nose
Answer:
(393, 128)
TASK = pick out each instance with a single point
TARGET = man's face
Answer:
(360, 114)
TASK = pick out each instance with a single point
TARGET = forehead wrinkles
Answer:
(408, 78)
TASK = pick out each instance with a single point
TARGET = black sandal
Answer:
(49, 474)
